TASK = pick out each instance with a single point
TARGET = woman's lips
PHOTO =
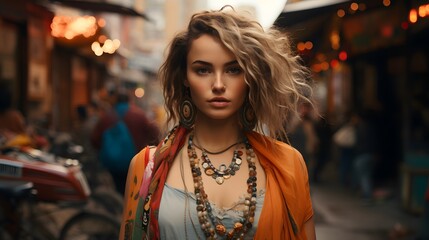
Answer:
(219, 102)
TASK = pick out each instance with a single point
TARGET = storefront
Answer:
(25, 55)
(373, 56)
(415, 168)
(49, 76)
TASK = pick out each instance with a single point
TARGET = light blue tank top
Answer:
(174, 217)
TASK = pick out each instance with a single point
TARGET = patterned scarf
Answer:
(153, 184)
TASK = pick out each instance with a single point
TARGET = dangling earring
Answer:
(187, 111)
(247, 117)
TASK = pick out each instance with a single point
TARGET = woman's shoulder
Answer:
(274, 145)
(290, 153)
(277, 152)
(142, 157)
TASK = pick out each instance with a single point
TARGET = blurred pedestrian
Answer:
(141, 131)
(302, 135)
(213, 176)
(345, 139)
(324, 148)
(87, 119)
(12, 122)
(365, 153)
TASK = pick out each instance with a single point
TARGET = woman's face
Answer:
(215, 79)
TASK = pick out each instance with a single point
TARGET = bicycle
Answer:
(16, 198)
(28, 181)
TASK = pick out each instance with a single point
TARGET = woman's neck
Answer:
(215, 136)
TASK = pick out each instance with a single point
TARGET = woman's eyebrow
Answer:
(201, 62)
(233, 62)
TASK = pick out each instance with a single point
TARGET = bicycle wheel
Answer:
(90, 226)
(109, 200)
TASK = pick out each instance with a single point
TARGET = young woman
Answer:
(213, 176)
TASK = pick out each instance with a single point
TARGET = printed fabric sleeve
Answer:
(131, 197)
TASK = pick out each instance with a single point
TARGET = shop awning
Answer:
(298, 12)
(103, 7)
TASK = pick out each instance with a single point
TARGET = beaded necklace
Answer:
(223, 172)
(204, 209)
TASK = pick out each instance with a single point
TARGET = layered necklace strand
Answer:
(187, 211)
(218, 152)
(223, 172)
(204, 209)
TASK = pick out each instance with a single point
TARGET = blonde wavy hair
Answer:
(276, 78)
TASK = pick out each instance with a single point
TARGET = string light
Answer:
(139, 92)
(386, 3)
(413, 16)
(334, 63)
(301, 46)
(71, 27)
(422, 11)
(109, 46)
(308, 45)
(342, 55)
(354, 6)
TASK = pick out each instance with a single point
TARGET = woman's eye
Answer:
(202, 71)
(234, 70)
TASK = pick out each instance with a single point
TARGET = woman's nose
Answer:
(218, 84)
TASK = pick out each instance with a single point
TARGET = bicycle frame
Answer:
(59, 181)
(55, 179)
